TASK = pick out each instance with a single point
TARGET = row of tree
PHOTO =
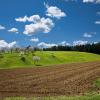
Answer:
(92, 48)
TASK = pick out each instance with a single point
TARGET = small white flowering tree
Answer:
(21, 53)
(36, 59)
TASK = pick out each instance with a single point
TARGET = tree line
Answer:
(91, 48)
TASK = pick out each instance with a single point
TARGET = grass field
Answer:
(86, 97)
(13, 60)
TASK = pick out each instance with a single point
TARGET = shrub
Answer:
(1, 56)
(23, 59)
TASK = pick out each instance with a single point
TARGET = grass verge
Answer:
(86, 97)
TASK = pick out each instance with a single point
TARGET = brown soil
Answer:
(66, 79)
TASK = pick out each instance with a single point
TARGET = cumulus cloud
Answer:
(38, 24)
(46, 45)
(34, 40)
(42, 25)
(89, 35)
(33, 18)
(80, 42)
(91, 1)
(64, 43)
(4, 44)
(97, 22)
(21, 19)
(15, 30)
(53, 11)
(12, 44)
(2, 27)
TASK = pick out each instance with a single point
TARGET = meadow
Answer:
(14, 60)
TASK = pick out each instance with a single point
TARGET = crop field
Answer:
(56, 80)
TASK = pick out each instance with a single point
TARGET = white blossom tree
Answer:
(36, 59)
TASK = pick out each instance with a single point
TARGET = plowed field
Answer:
(66, 79)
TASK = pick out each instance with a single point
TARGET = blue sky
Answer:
(49, 22)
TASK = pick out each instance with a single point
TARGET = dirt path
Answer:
(67, 79)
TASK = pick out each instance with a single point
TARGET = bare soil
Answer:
(66, 79)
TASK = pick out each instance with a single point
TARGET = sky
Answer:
(46, 23)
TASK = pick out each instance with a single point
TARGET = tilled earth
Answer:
(65, 79)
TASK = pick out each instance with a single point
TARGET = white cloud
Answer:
(64, 43)
(91, 1)
(34, 40)
(4, 44)
(21, 19)
(87, 1)
(42, 25)
(95, 42)
(80, 42)
(46, 45)
(89, 35)
(2, 27)
(38, 24)
(12, 44)
(53, 11)
(97, 22)
(33, 18)
(15, 30)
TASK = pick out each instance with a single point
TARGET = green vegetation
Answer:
(97, 83)
(14, 60)
(86, 97)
